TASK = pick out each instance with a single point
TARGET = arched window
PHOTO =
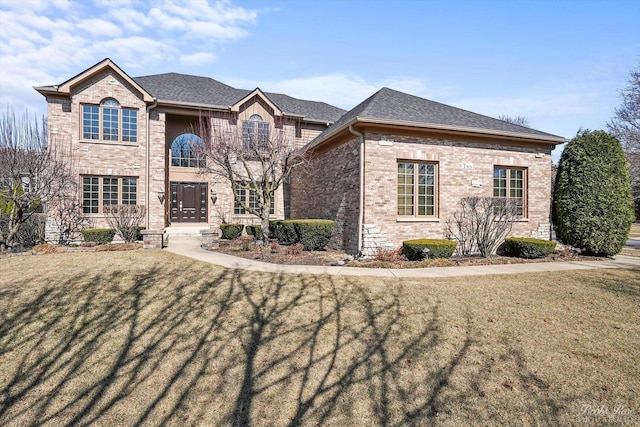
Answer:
(186, 151)
(255, 132)
(109, 122)
(110, 110)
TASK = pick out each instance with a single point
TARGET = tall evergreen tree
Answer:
(592, 202)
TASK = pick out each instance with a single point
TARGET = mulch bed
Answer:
(244, 249)
(48, 248)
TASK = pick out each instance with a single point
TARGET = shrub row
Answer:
(231, 231)
(255, 231)
(313, 234)
(524, 247)
(100, 236)
(414, 250)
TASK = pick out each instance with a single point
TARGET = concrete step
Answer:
(177, 232)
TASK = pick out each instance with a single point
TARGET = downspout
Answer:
(148, 173)
(361, 205)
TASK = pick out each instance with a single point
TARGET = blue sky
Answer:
(558, 63)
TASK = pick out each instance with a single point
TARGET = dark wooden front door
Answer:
(189, 202)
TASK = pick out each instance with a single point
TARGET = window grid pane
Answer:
(110, 124)
(499, 182)
(426, 189)
(237, 207)
(129, 187)
(405, 188)
(90, 194)
(508, 183)
(129, 125)
(109, 191)
(253, 200)
(90, 122)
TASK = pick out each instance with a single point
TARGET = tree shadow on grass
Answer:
(212, 346)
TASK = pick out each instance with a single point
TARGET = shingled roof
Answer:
(394, 106)
(184, 88)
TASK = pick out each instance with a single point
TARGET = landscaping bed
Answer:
(49, 248)
(246, 248)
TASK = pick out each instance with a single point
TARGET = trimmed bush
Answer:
(592, 203)
(524, 247)
(255, 231)
(100, 236)
(284, 231)
(139, 236)
(314, 234)
(231, 231)
(438, 248)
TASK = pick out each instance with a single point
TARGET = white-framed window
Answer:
(109, 122)
(255, 132)
(101, 191)
(417, 189)
(249, 197)
(511, 183)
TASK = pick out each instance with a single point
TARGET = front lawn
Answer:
(148, 337)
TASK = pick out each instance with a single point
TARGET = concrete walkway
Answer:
(190, 247)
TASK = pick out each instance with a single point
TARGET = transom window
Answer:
(109, 122)
(250, 197)
(417, 189)
(186, 151)
(101, 191)
(255, 132)
(510, 183)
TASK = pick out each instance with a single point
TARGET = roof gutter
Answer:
(190, 105)
(361, 204)
(548, 139)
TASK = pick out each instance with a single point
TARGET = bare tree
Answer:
(625, 125)
(31, 172)
(482, 224)
(125, 219)
(255, 161)
(65, 210)
(518, 120)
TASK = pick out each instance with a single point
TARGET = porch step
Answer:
(179, 232)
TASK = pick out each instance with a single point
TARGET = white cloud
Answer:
(99, 28)
(199, 58)
(46, 42)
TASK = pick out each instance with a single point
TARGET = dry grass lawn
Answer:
(151, 338)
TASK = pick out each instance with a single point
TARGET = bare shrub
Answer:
(295, 249)
(66, 211)
(275, 247)
(125, 219)
(482, 224)
(246, 242)
(385, 255)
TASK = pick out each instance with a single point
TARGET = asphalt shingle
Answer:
(207, 91)
(392, 105)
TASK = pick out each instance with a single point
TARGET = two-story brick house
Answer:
(392, 168)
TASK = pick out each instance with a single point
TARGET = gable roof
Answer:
(206, 92)
(65, 87)
(391, 106)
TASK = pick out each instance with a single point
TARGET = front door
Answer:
(189, 202)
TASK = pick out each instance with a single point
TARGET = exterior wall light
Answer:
(161, 196)
(214, 196)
